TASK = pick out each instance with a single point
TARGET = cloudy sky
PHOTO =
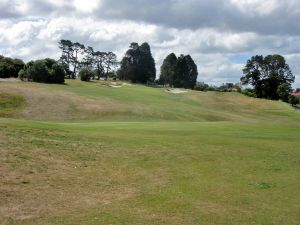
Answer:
(219, 34)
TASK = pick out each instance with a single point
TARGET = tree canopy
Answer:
(10, 67)
(267, 75)
(76, 56)
(43, 71)
(179, 72)
(85, 74)
(168, 70)
(138, 64)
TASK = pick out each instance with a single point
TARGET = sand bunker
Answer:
(176, 91)
(118, 85)
(9, 80)
(126, 84)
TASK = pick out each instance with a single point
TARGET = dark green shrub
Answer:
(283, 91)
(22, 75)
(86, 74)
(38, 72)
(10, 67)
(249, 92)
(293, 100)
(201, 86)
(43, 71)
(57, 74)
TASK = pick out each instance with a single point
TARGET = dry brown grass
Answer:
(97, 101)
(58, 105)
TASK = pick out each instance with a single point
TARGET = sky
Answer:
(220, 35)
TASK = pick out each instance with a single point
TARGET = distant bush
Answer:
(57, 74)
(154, 84)
(43, 71)
(249, 92)
(228, 87)
(38, 72)
(201, 86)
(293, 100)
(22, 74)
(283, 91)
(111, 75)
(86, 74)
(10, 67)
(212, 88)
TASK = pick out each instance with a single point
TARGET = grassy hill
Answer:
(98, 101)
(88, 153)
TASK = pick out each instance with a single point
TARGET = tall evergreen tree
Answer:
(191, 74)
(109, 62)
(129, 64)
(168, 70)
(147, 69)
(77, 50)
(179, 72)
(138, 64)
(100, 63)
(67, 54)
(89, 57)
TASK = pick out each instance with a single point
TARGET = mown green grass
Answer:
(140, 103)
(154, 170)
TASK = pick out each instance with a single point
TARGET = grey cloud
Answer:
(195, 14)
(224, 15)
(7, 10)
(15, 9)
(211, 31)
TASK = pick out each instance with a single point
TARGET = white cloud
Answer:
(54, 29)
(86, 6)
(257, 7)
(212, 32)
(21, 32)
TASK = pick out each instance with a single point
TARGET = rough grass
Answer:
(10, 104)
(97, 101)
(144, 159)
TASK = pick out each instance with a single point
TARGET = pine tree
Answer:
(138, 64)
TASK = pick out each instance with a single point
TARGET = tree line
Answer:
(137, 65)
(76, 56)
(80, 61)
(43, 71)
(10, 67)
(179, 72)
(267, 77)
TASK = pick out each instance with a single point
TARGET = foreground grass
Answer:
(145, 156)
(149, 173)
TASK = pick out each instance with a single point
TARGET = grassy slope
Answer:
(239, 164)
(95, 101)
(10, 104)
